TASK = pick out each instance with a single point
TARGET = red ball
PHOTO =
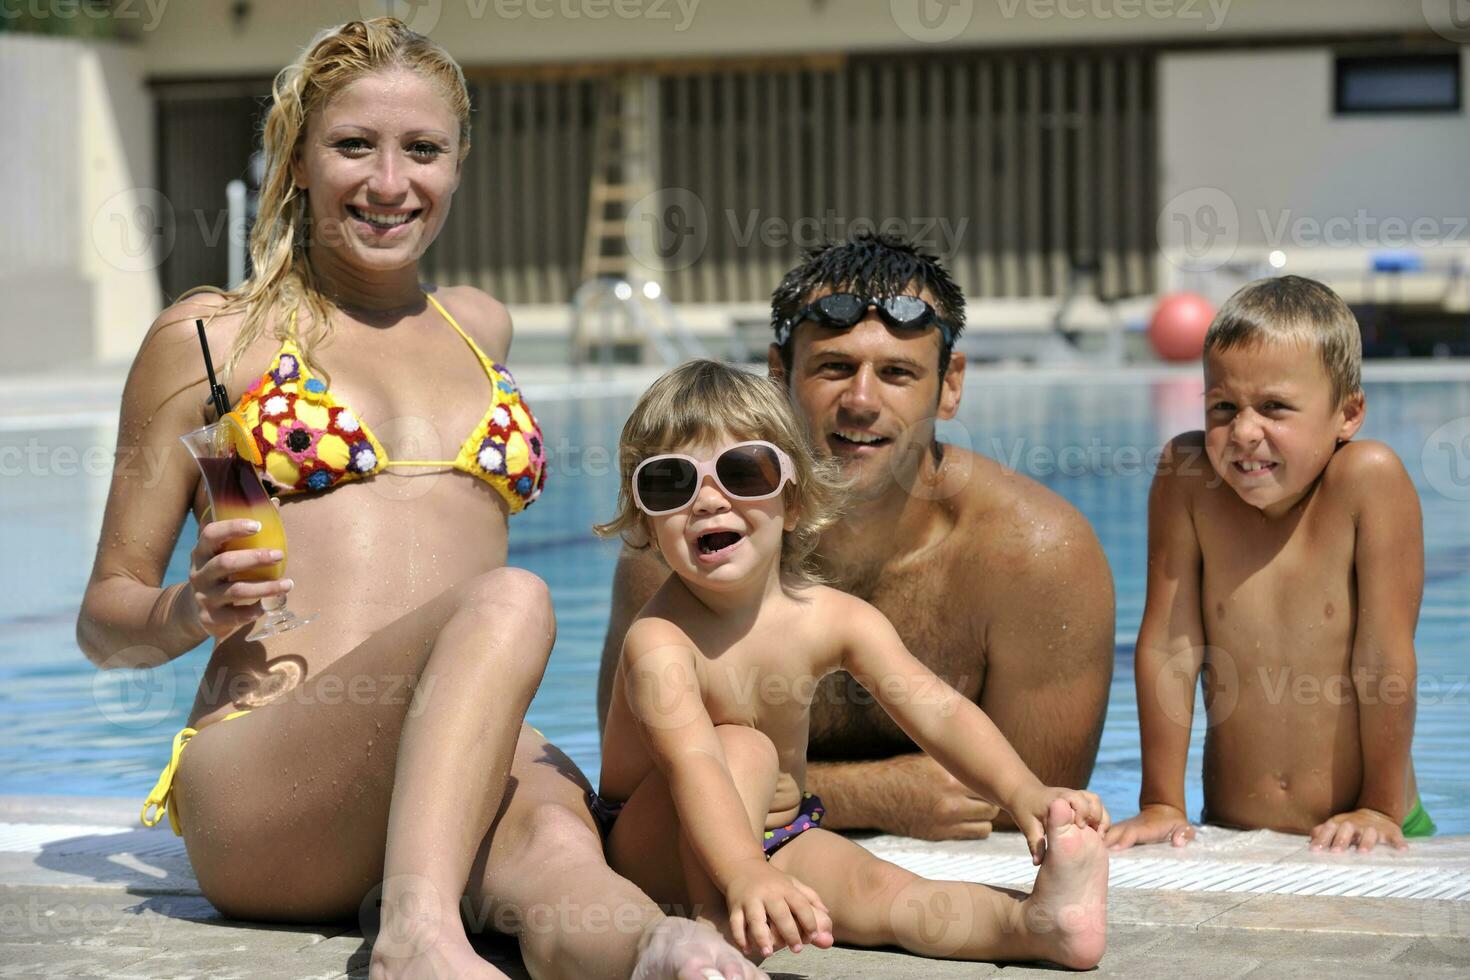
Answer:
(1177, 329)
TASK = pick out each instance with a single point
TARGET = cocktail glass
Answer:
(235, 492)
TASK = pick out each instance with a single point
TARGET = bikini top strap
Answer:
(455, 324)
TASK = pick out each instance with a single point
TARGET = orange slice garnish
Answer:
(244, 442)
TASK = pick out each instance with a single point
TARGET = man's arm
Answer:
(1046, 665)
(909, 795)
(949, 727)
(638, 577)
(1049, 647)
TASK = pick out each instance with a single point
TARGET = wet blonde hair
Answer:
(281, 277)
(1297, 311)
(701, 400)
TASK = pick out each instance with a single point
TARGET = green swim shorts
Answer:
(1418, 823)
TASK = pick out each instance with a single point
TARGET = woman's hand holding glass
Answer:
(225, 586)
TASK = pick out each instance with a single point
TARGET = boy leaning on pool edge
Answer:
(1298, 553)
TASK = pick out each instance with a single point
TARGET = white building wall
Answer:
(77, 268)
(201, 37)
(1252, 159)
(122, 212)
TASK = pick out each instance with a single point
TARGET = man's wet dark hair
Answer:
(871, 265)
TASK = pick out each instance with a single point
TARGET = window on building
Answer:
(1398, 83)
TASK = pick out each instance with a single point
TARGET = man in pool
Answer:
(994, 582)
(1288, 572)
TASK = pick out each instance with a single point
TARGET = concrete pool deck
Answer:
(86, 892)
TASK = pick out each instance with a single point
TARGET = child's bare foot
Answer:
(1067, 913)
(682, 949)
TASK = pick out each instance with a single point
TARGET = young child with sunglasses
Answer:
(704, 752)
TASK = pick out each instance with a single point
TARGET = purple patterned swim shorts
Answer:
(809, 816)
(605, 813)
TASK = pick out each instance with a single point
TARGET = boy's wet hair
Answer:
(701, 400)
(1294, 310)
(870, 265)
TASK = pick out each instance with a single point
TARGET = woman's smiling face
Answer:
(380, 163)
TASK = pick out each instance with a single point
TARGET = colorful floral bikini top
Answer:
(310, 441)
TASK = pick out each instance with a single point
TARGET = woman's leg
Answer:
(542, 877)
(386, 768)
(875, 903)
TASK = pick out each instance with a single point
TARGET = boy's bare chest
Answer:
(1278, 590)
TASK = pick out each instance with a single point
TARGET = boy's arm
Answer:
(1168, 654)
(948, 726)
(1389, 566)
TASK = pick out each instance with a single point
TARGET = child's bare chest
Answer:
(766, 683)
(1278, 591)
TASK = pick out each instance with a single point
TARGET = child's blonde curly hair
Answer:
(700, 400)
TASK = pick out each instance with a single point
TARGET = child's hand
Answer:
(1362, 827)
(1155, 823)
(1029, 813)
(762, 899)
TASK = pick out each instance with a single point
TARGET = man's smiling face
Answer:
(870, 395)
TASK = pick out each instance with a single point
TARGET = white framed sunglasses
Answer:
(751, 470)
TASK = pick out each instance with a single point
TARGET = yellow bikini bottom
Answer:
(163, 790)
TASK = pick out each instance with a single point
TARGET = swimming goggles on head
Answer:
(754, 470)
(842, 311)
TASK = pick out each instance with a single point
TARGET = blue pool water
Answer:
(71, 729)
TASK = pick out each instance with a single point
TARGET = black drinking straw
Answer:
(216, 390)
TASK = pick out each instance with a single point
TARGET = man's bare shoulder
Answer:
(1031, 576)
(1023, 556)
(1006, 519)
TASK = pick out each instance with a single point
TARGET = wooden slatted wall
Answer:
(1012, 166)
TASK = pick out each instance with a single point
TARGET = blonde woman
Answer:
(377, 758)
